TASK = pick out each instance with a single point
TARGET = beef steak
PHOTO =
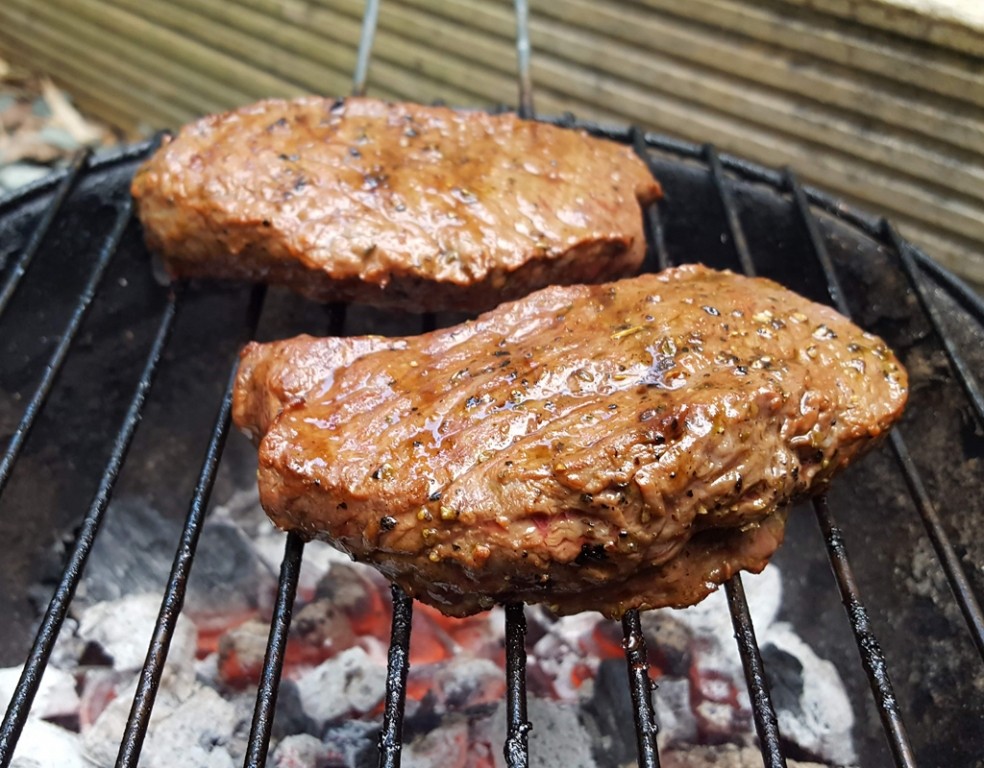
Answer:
(628, 445)
(423, 208)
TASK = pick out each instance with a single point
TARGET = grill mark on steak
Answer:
(422, 208)
(591, 447)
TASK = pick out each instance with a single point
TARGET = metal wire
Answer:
(730, 211)
(955, 573)
(273, 660)
(657, 255)
(641, 689)
(397, 669)
(523, 59)
(516, 749)
(44, 641)
(766, 723)
(960, 367)
(872, 658)
(150, 674)
(51, 212)
(57, 359)
(370, 17)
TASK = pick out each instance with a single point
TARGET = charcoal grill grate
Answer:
(516, 750)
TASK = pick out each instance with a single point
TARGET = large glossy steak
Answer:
(591, 447)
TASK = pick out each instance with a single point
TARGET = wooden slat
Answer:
(885, 146)
(166, 77)
(946, 30)
(873, 112)
(955, 76)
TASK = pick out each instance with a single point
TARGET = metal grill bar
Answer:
(273, 659)
(397, 669)
(657, 256)
(150, 674)
(369, 19)
(872, 657)
(641, 689)
(44, 641)
(766, 723)
(730, 211)
(955, 573)
(516, 749)
(57, 359)
(949, 559)
(526, 110)
(961, 368)
(20, 266)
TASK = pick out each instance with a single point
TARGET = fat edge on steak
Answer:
(607, 447)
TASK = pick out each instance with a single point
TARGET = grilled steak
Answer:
(591, 447)
(423, 208)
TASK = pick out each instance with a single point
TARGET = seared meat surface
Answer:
(591, 447)
(422, 208)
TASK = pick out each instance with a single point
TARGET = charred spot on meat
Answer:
(660, 468)
(422, 208)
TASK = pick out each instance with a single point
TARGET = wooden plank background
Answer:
(882, 107)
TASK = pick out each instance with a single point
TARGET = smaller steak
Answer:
(628, 445)
(422, 208)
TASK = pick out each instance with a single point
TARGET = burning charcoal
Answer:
(99, 689)
(240, 656)
(191, 726)
(300, 751)
(347, 586)
(668, 641)
(350, 683)
(611, 716)
(321, 630)
(135, 548)
(56, 697)
(558, 739)
(725, 756)
(444, 747)
(226, 579)
(352, 745)
(811, 703)
(677, 722)
(132, 553)
(567, 654)
(122, 629)
(42, 744)
(290, 718)
(459, 683)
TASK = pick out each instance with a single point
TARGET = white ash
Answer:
(811, 702)
(357, 684)
(561, 649)
(191, 725)
(558, 738)
(43, 744)
(722, 756)
(674, 713)
(56, 696)
(123, 628)
(299, 751)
